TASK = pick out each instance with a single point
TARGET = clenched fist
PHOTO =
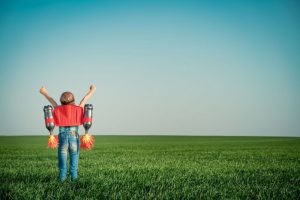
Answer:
(93, 87)
(43, 90)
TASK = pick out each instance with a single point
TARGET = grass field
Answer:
(155, 167)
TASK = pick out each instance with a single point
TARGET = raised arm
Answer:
(50, 99)
(87, 96)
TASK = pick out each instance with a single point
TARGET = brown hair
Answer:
(67, 98)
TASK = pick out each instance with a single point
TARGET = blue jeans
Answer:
(68, 142)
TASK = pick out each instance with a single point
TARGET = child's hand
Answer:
(87, 96)
(50, 99)
(92, 87)
(43, 90)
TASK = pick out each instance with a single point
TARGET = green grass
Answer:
(155, 167)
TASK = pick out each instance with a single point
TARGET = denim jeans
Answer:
(68, 143)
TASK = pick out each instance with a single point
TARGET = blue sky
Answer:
(160, 67)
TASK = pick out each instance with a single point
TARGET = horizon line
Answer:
(179, 135)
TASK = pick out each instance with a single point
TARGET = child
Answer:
(68, 130)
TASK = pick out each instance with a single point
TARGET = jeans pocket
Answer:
(62, 137)
(74, 134)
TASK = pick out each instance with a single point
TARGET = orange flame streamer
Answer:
(87, 141)
(53, 141)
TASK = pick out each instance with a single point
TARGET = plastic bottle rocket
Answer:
(49, 120)
(87, 118)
